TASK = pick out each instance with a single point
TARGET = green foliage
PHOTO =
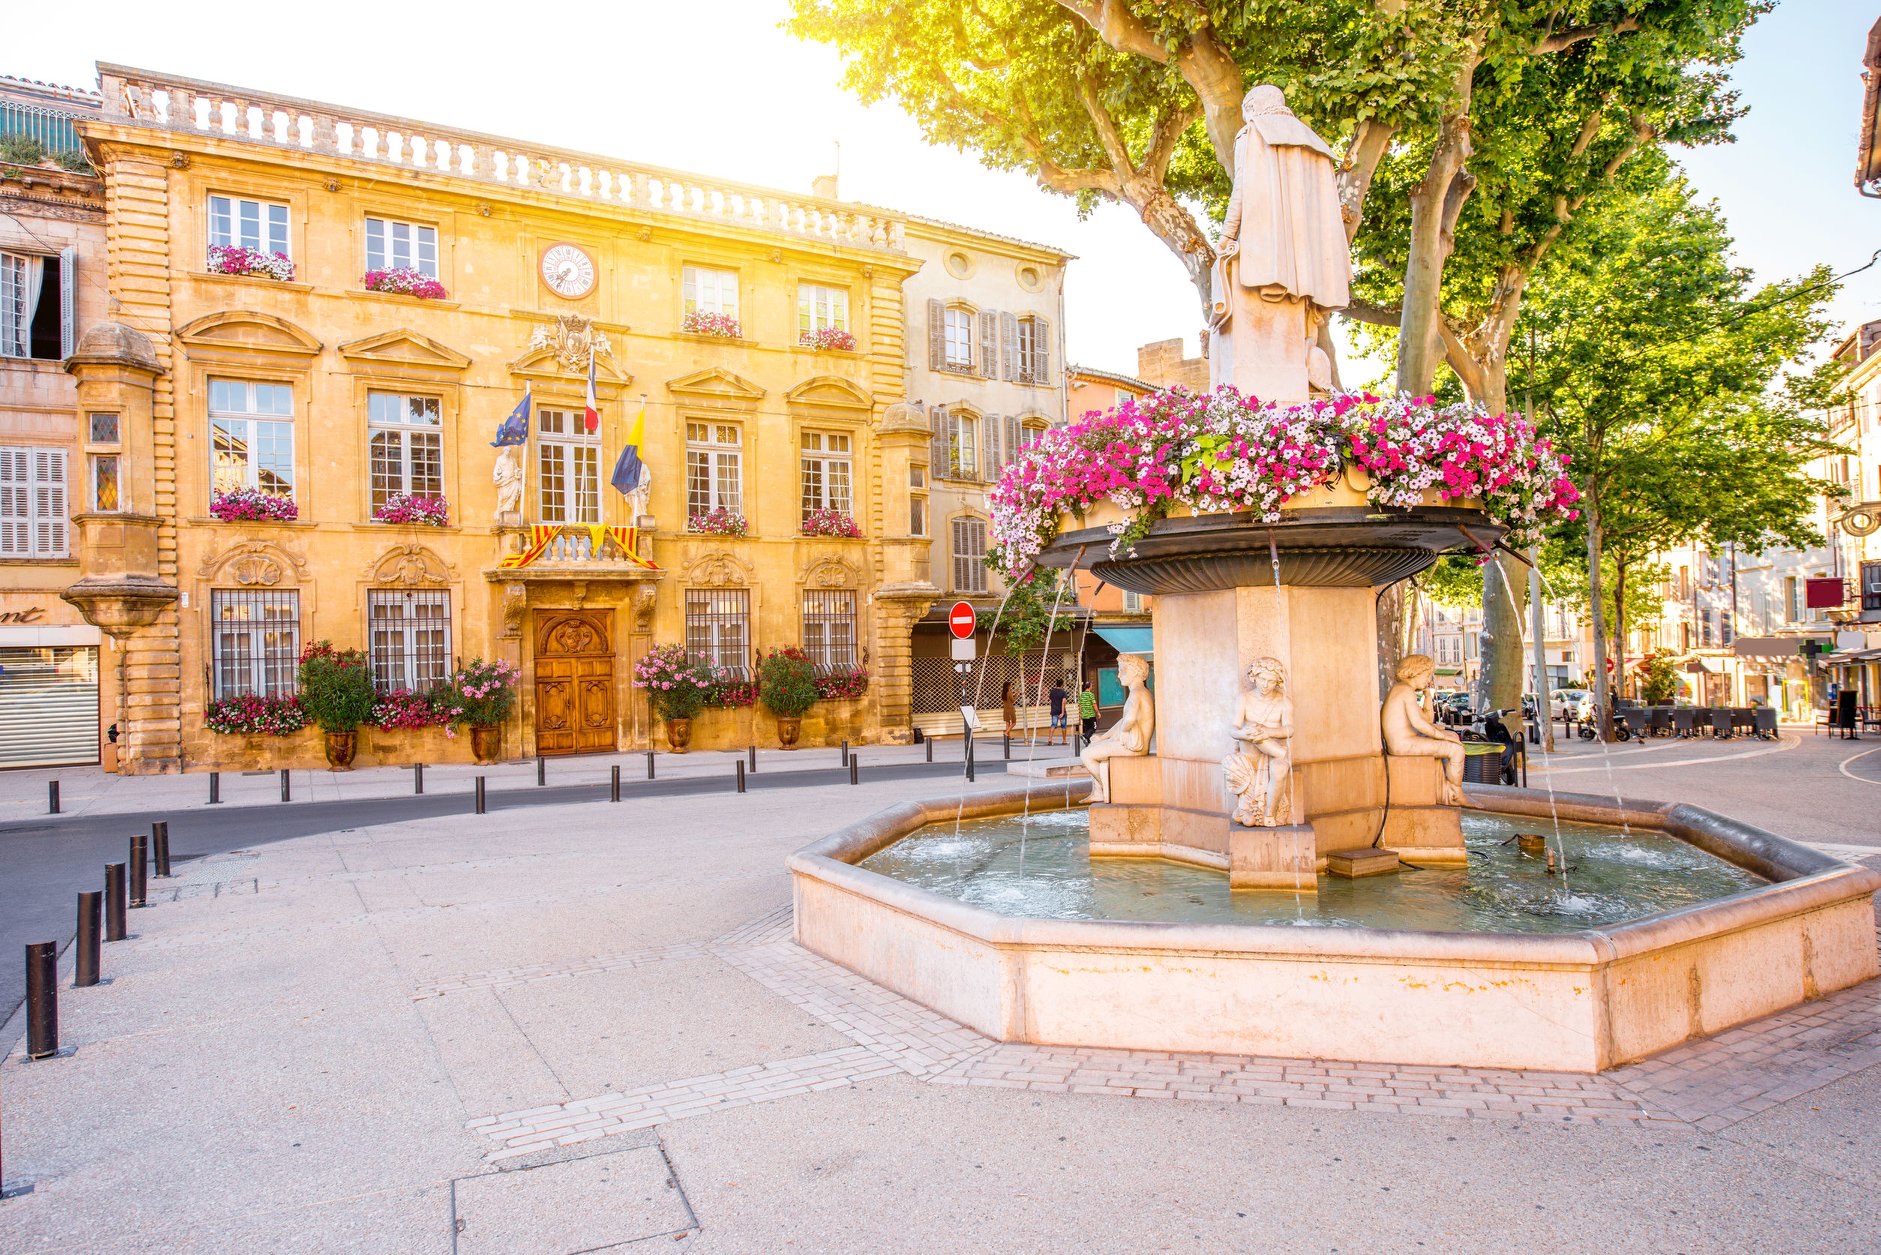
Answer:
(21, 150)
(787, 682)
(1028, 615)
(335, 686)
(482, 693)
(1658, 679)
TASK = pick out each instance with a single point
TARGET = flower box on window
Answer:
(236, 259)
(404, 507)
(250, 714)
(828, 338)
(251, 505)
(405, 281)
(830, 522)
(722, 326)
(719, 522)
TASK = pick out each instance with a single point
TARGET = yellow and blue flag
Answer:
(629, 470)
(515, 428)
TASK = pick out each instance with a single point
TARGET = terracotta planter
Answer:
(788, 730)
(678, 734)
(486, 741)
(340, 749)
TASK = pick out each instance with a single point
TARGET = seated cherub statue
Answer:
(1130, 736)
(1409, 733)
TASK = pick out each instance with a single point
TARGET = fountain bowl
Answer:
(1571, 1002)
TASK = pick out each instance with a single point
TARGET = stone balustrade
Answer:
(191, 106)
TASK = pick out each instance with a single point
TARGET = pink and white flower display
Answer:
(404, 281)
(719, 522)
(251, 505)
(1222, 452)
(405, 507)
(831, 522)
(235, 259)
(828, 338)
(701, 323)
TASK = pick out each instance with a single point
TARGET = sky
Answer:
(716, 87)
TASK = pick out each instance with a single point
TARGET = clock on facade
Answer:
(568, 271)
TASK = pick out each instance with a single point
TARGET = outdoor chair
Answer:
(1721, 723)
(1659, 721)
(1684, 721)
(1635, 720)
(1824, 719)
(1743, 719)
(1765, 723)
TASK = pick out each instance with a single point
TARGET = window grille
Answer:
(255, 641)
(718, 628)
(829, 628)
(407, 446)
(33, 503)
(252, 436)
(969, 555)
(820, 307)
(710, 291)
(249, 223)
(568, 485)
(401, 245)
(410, 632)
(826, 472)
(714, 468)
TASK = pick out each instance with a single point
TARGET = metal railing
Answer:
(51, 129)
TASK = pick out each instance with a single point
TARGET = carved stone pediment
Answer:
(718, 568)
(249, 332)
(254, 564)
(404, 348)
(715, 386)
(831, 392)
(409, 566)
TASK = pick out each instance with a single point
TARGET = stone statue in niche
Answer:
(1130, 736)
(1409, 733)
(1260, 773)
(508, 478)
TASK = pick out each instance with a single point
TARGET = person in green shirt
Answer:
(1087, 711)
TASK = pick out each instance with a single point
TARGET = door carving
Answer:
(574, 681)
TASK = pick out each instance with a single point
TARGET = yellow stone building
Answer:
(304, 384)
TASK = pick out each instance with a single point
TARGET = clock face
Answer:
(568, 271)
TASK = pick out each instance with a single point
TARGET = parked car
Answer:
(1569, 704)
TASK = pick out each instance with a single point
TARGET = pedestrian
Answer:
(1061, 727)
(1087, 711)
(1010, 707)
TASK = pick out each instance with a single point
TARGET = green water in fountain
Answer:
(1613, 876)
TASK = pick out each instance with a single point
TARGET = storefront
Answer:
(49, 684)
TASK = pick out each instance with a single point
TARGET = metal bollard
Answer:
(751, 757)
(140, 870)
(215, 788)
(613, 787)
(649, 764)
(1006, 747)
(845, 753)
(741, 776)
(52, 797)
(480, 797)
(967, 753)
(42, 999)
(114, 901)
(417, 777)
(854, 762)
(86, 945)
(160, 847)
(929, 742)
(287, 790)
(542, 771)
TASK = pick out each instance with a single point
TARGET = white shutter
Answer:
(16, 514)
(1013, 435)
(68, 302)
(936, 335)
(1009, 341)
(49, 503)
(1041, 362)
(989, 344)
(936, 442)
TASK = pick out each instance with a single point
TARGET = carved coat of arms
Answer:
(570, 339)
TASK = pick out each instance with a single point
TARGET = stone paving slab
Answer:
(593, 1204)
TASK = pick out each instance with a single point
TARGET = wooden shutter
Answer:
(989, 448)
(49, 503)
(1012, 437)
(16, 496)
(936, 335)
(936, 441)
(957, 548)
(1010, 366)
(1041, 363)
(989, 344)
(68, 302)
(953, 444)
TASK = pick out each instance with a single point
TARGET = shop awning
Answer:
(1702, 666)
(1128, 640)
(1775, 646)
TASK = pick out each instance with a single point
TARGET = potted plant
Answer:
(405, 507)
(481, 694)
(718, 522)
(787, 688)
(234, 259)
(405, 281)
(251, 505)
(718, 326)
(829, 521)
(677, 686)
(336, 692)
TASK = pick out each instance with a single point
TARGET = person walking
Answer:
(1087, 711)
(1061, 726)
(1010, 708)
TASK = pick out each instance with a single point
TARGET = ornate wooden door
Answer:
(574, 681)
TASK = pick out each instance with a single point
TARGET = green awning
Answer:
(1129, 640)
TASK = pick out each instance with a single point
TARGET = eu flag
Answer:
(515, 428)
(629, 470)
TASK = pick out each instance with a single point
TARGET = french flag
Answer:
(593, 415)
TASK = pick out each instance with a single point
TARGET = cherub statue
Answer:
(1261, 773)
(1130, 736)
(1409, 733)
(508, 478)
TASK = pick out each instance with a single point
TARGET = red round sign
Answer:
(961, 620)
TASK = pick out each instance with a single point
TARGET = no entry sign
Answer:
(960, 620)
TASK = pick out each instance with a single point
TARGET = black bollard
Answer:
(845, 753)
(854, 762)
(85, 946)
(613, 787)
(52, 797)
(967, 753)
(649, 764)
(287, 791)
(160, 847)
(480, 796)
(542, 771)
(114, 901)
(741, 776)
(929, 742)
(215, 788)
(751, 757)
(42, 1000)
(140, 870)
(1006, 745)
(417, 777)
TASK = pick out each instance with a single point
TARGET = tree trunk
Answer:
(1537, 639)
(1390, 624)
(1597, 612)
(1619, 628)
(1435, 203)
(1504, 590)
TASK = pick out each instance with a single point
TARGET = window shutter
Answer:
(15, 502)
(49, 502)
(1012, 435)
(936, 441)
(68, 302)
(936, 335)
(958, 547)
(1009, 339)
(989, 344)
(953, 443)
(989, 448)
(1041, 362)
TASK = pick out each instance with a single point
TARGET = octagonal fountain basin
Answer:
(1669, 923)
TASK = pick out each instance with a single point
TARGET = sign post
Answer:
(961, 621)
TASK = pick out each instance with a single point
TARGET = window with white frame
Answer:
(1034, 350)
(959, 336)
(407, 443)
(820, 307)
(251, 428)
(568, 462)
(256, 224)
(1120, 395)
(1030, 433)
(714, 468)
(393, 245)
(965, 454)
(33, 503)
(826, 472)
(1132, 602)
(718, 628)
(969, 536)
(409, 636)
(254, 644)
(917, 499)
(829, 628)
(709, 291)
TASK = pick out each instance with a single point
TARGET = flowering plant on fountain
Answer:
(1222, 452)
